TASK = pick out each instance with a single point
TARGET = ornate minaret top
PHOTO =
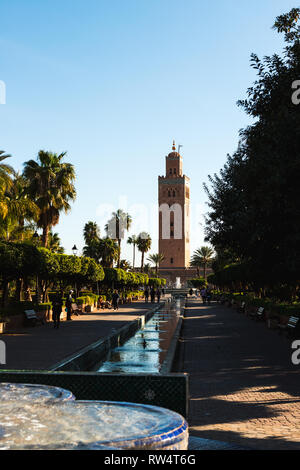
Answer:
(173, 163)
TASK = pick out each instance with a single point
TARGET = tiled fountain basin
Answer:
(90, 425)
(32, 392)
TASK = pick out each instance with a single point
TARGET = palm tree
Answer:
(156, 259)
(108, 252)
(148, 269)
(202, 257)
(6, 171)
(20, 211)
(54, 243)
(124, 264)
(92, 250)
(50, 184)
(116, 227)
(144, 244)
(133, 241)
(91, 232)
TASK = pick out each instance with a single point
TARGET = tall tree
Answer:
(133, 241)
(116, 227)
(108, 252)
(254, 210)
(156, 259)
(91, 232)
(6, 171)
(16, 223)
(144, 244)
(51, 185)
(91, 235)
(54, 243)
(202, 258)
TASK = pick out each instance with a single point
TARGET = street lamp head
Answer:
(75, 249)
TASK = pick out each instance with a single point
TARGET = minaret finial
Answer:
(174, 146)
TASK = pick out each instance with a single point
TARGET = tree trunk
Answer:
(204, 271)
(142, 264)
(119, 255)
(5, 291)
(133, 255)
(45, 236)
(19, 289)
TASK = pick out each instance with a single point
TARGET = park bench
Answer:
(76, 310)
(258, 314)
(291, 326)
(32, 319)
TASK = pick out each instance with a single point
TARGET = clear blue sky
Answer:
(113, 82)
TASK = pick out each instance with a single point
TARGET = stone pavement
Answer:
(40, 347)
(244, 388)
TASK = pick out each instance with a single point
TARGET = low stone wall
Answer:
(88, 357)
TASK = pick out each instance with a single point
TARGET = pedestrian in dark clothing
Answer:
(158, 294)
(152, 295)
(57, 309)
(115, 300)
(69, 302)
(146, 294)
(208, 295)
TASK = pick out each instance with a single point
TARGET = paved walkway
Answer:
(243, 386)
(41, 347)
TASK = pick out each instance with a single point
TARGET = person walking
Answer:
(158, 294)
(69, 302)
(115, 300)
(152, 295)
(146, 294)
(208, 295)
(57, 309)
(203, 294)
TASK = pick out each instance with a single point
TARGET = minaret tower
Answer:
(174, 214)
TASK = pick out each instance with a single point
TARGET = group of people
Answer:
(57, 307)
(153, 293)
(57, 304)
(206, 294)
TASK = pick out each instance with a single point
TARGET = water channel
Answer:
(146, 351)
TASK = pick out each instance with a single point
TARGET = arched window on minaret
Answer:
(174, 193)
(169, 193)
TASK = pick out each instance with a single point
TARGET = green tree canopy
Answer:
(254, 210)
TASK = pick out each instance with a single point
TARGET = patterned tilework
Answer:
(168, 391)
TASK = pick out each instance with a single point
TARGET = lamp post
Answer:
(35, 237)
(75, 250)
